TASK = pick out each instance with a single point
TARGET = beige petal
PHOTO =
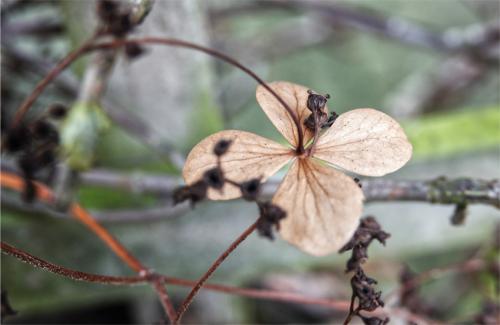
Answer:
(323, 207)
(249, 156)
(365, 141)
(296, 97)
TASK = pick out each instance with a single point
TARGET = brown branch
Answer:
(211, 270)
(130, 280)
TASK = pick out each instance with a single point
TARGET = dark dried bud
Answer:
(46, 157)
(133, 51)
(121, 25)
(214, 178)
(333, 117)
(106, 9)
(57, 111)
(44, 130)
(270, 216)
(322, 120)
(17, 139)
(194, 193)
(222, 147)
(7, 310)
(250, 190)
(373, 320)
(316, 102)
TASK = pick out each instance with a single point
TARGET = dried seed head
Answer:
(193, 193)
(57, 111)
(17, 139)
(214, 178)
(222, 147)
(133, 51)
(270, 216)
(44, 130)
(316, 102)
(250, 190)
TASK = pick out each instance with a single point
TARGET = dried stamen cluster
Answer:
(319, 116)
(214, 178)
(35, 146)
(363, 287)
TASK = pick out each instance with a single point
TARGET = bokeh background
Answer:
(433, 65)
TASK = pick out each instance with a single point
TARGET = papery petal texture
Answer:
(323, 207)
(249, 156)
(296, 97)
(365, 141)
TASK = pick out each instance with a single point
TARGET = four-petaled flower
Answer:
(323, 205)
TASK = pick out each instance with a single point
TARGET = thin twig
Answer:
(39, 88)
(88, 47)
(43, 193)
(131, 280)
(215, 265)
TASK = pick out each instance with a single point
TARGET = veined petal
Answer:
(323, 207)
(249, 156)
(296, 97)
(365, 141)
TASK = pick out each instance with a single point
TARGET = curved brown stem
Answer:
(88, 47)
(215, 265)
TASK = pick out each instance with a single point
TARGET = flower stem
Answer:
(212, 269)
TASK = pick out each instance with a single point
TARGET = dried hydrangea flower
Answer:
(323, 205)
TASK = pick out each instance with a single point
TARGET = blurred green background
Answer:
(433, 65)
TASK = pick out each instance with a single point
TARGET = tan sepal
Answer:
(249, 156)
(365, 141)
(296, 97)
(323, 207)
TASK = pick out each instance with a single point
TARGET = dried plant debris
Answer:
(363, 287)
(367, 231)
(35, 147)
(323, 205)
(270, 217)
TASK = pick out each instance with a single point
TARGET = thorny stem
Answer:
(215, 265)
(88, 47)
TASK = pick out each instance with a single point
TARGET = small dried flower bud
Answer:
(193, 193)
(46, 157)
(250, 190)
(133, 51)
(333, 117)
(214, 178)
(270, 216)
(17, 139)
(57, 111)
(316, 102)
(222, 147)
(42, 129)
(373, 320)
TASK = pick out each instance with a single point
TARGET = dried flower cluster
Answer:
(322, 204)
(214, 179)
(35, 146)
(363, 287)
